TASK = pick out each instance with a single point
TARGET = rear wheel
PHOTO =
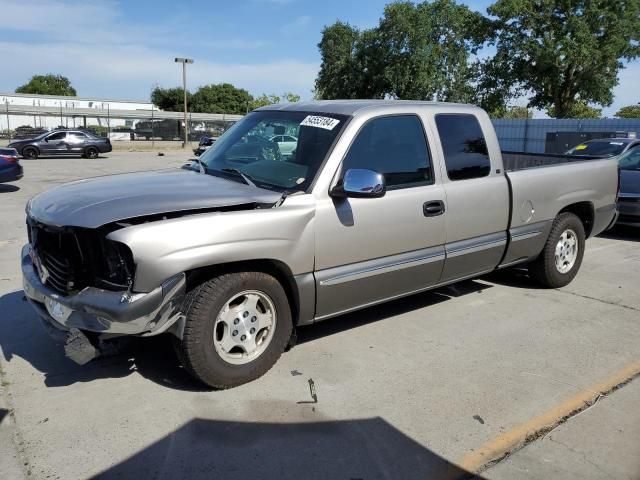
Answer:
(559, 262)
(91, 152)
(30, 152)
(237, 326)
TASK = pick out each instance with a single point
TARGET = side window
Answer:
(57, 136)
(394, 146)
(464, 146)
(77, 135)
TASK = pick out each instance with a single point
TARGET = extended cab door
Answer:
(372, 249)
(477, 193)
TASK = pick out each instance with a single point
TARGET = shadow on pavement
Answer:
(514, 277)
(6, 188)
(388, 310)
(351, 449)
(622, 232)
(21, 335)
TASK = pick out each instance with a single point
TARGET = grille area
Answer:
(60, 272)
(58, 258)
(71, 259)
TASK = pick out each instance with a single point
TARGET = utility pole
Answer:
(8, 126)
(184, 62)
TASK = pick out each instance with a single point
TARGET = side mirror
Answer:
(360, 183)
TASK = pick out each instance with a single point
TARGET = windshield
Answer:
(630, 160)
(598, 148)
(277, 150)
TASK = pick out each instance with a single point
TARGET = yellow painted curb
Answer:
(500, 446)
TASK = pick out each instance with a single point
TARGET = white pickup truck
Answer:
(379, 199)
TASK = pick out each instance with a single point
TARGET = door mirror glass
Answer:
(360, 183)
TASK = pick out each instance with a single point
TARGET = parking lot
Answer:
(436, 385)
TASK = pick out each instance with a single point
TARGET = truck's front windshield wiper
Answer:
(244, 176)
(201, 165)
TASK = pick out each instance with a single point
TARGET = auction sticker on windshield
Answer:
(327, 123)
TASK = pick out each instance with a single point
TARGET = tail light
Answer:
(10, 158)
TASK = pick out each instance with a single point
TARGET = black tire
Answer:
(30, 152)
(91, 152)
(543, 269)
(201, 306)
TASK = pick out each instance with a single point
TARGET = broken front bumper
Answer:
(104, 311)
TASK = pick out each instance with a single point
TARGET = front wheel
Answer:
(559, 262)
(237, 326)
(30, 152)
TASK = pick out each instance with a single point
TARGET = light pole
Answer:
(184, 62)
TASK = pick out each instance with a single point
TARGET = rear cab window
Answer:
(395, 146)
(463, 145)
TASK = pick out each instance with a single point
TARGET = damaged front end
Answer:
(70, 259)
(80, 283)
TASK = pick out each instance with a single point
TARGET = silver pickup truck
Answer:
(231, 253)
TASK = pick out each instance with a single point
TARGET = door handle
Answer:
(433, 208)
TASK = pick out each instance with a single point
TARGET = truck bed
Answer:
(514, 161)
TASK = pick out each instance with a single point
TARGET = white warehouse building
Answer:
(10, 103)
(121, 117)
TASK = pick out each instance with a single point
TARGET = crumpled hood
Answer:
(630, 182)
(95, 202)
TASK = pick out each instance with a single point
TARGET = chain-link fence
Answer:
(126, 128)
(558, 136)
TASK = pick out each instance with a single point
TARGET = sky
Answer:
(123, 49)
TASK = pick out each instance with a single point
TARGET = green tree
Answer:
(170, 99)
(566, 52)
(264, 100)
(514, 112)
(221, 98)
(630, 111)
(578, 109)
(427, 48)
(49, 84)
(291, 97)
(418, 51)
(338, 73)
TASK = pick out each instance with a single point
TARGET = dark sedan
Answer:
(604, 147)
(629, 199)
(10, 168)
(63, 142)
(203, 145)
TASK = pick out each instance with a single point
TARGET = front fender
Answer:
(164, 248)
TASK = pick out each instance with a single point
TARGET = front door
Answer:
(372, 249)
(53, 144)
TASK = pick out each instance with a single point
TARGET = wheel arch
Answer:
(35, 147)
(277, 268)
(585, 212)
